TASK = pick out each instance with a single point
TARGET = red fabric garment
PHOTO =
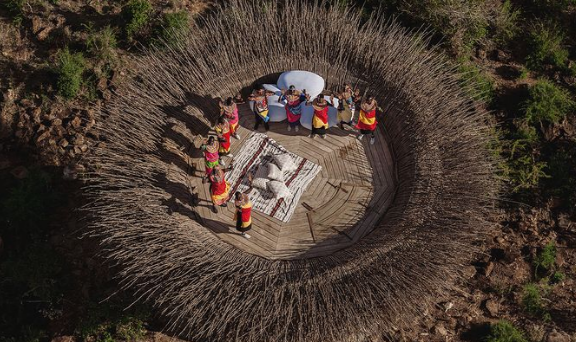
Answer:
(246, 213)
(217, 188)
(367, 120)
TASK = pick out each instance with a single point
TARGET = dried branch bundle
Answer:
(209, 290)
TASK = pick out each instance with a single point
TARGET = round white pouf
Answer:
(276, 111)
(308, 113)
(314, 84)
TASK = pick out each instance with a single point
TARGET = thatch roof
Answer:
(209, 290)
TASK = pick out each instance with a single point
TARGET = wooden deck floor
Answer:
(341, 205)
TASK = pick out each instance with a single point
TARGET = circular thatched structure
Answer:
(209, 290)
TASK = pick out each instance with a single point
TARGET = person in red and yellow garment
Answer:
(229, 110)
(243, 215)
(260, 107)
(320, 118)
(367, 118)
(219, 188)
(223, 132)
(210, 148)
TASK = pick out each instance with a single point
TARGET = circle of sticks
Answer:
(208, 290)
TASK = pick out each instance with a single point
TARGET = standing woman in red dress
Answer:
(320, 118)
(223, 131)
(367, 119)
(243, 215)
(211, 157)
(219, 188)
(229, 110)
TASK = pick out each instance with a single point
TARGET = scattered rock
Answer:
(20, 172)
(43, 34)
(76, 122)
(64, 339)
(63, 143)
(439, 329)
(488, 269)
(43, 136)
(469, 272)
(556, 336)
(492, 306)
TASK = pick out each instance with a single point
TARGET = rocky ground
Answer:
(39, 129)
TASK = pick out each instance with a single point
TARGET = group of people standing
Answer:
(348, 101)
(216, 147)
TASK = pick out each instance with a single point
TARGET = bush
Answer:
(532, 300)
(546, 47)
(545, 259)
(109, 322)
(505, 332)
(15, 10)
(478, 84)
(173, 25)
(102, 44)
(70, 68)
(547, 103)
(137, 16)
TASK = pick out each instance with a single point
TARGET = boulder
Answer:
(492, 307)
(313, 83)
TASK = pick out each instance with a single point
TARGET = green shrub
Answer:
(505, 23)
(545, 259)
(15, 9)
(109, 322)
(532, 300)
(558, 277)
(173, 25)
(102, 44)
(478, 84)
(547, 103)
(137, 16)
(70, 67)
(525, 172)
(546, 47)
(504, 331)
(523, 73)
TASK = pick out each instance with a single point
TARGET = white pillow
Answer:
(275, 173)
(279, 189)
(260, 183)
(285, 162)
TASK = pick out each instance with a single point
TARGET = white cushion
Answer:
(260, 183)
(275, 173)
(308, 113)
(313, 83)
(279, 189)
(285, 162)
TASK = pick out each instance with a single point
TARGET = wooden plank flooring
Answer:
(348, 197)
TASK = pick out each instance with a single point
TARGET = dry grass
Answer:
(209, 290)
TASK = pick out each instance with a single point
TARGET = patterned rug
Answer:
(258, 150)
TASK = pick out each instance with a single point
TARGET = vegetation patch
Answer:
(547, 103)
(504, 331)
(137, 15)
(69, 68)
(546, 47)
